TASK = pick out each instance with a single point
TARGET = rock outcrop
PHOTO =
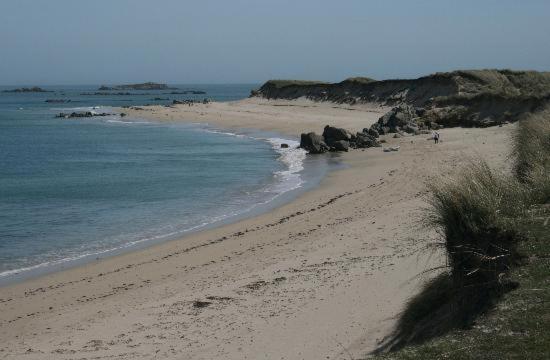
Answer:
(186, 92)
(332, 134)
(339, 145)
(58, 101)
(85, 114)
(403, 118)
(313, 143)
(34, 89)
(365, 140)
(336, 139)
(141, 86)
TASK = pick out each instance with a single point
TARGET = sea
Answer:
(81, 189)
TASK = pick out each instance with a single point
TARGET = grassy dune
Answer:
(532, 155)
(493, 299)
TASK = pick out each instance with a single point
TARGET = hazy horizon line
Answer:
(274, 78)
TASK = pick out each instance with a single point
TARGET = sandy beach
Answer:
(324, 276)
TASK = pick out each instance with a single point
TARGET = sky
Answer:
(70, 42)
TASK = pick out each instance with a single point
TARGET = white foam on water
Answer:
(127, 122)
(292, 157)
(85, 108)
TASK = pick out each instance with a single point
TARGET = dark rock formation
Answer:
(100, 93)
(334, 134)
(372, 132)
(190, 102)
(34, 89)
(313, 143)
(339, 145)
(403, 118)
(337, 139)
(186, 92)
(85, 114)
(141, 86)
(284, 146)
(57, 101)
(365, 140)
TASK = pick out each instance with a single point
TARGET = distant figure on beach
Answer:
(435, 136)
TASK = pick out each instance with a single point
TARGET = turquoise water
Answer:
(79, 188)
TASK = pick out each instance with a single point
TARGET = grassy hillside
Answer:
(458, 98)
(462, 82)
(279, 84)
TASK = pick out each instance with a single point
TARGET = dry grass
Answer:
(517, 327)
(531, 154)
(279, 84)
(477, 215)
(486, 219)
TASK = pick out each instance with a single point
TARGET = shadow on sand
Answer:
(440, 308)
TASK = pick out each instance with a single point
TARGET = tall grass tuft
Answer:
(531, 153)
(477, 214)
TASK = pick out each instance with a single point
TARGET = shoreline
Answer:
(330, 269)
(309, 177)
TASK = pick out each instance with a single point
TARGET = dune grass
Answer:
(359, 80)
(517, 327)
(490, 224)
(279, 84)
(477, 215)
(531, 153)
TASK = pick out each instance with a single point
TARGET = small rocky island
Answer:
(58, 101)
(141, 86)
(84, 114)
(34, 89)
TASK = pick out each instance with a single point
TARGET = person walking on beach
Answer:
(435, 136)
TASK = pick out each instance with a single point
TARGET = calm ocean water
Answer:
(75, 189)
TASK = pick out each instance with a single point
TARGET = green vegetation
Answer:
(532, 154)
(359, 80)
(518, 327)
(504, 82)
(493, 300)
(279, 84)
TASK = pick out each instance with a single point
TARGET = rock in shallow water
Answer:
(313, 143)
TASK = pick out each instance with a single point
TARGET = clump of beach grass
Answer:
(531, 153)
(477, 214)
(481, 215)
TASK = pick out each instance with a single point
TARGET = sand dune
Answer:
(324, 276)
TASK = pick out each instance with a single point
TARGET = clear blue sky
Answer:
(249, 41)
